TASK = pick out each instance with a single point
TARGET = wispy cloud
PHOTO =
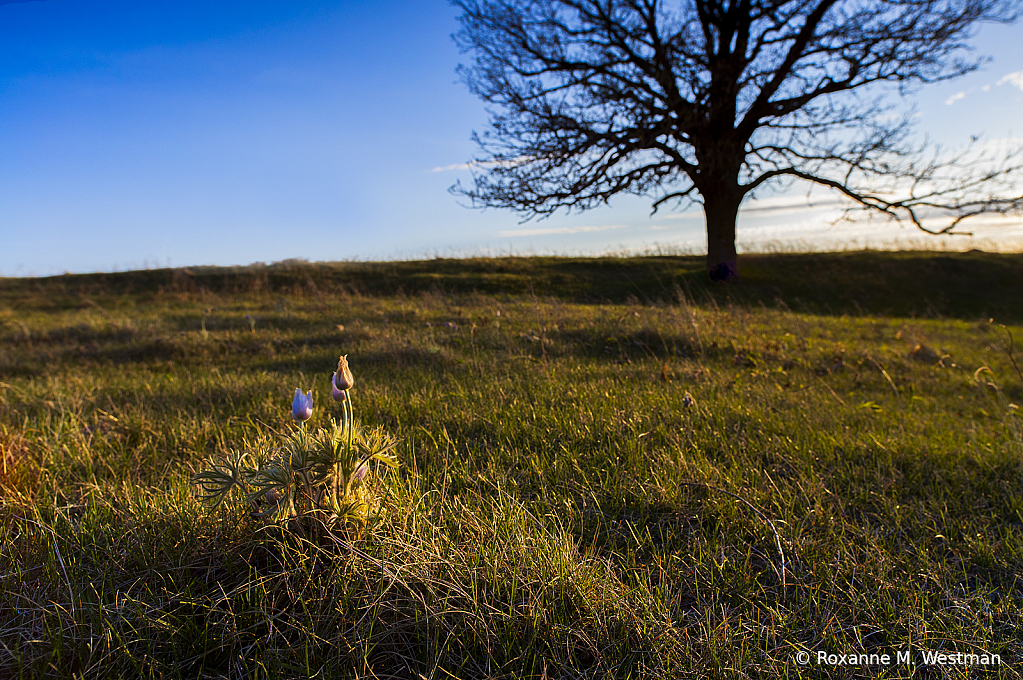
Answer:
(1016, 78)
(455, 166)
(776, 204)
(862, 231)
(560, 230)
(690, 215)
(791, 203)
(510, 163)
(1006, 225)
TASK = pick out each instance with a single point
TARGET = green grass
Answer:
(563, 509)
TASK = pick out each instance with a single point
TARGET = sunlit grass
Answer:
(563, 508)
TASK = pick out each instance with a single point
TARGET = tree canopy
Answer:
(710, 100)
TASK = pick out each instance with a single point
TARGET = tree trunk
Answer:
(721, 209)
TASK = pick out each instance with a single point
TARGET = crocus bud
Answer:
(302, 406)
(360, 472)
(338, 395)
(343, 379)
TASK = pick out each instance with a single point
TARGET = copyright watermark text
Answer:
(899, 658)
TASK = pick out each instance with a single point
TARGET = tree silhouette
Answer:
(708, 100)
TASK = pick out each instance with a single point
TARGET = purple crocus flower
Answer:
(335, 393)
(302, 406)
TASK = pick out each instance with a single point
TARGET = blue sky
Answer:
(145, 134)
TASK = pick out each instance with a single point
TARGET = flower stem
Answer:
(348, 451)
(346, 423)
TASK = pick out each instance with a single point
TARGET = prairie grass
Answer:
(576, 434)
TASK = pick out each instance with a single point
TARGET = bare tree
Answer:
(708, 100)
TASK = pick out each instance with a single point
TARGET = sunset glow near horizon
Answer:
(156, 134)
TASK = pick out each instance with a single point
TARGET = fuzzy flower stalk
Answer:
(305, 479)
(340, 383)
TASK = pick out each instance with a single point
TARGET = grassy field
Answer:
(609, 469)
